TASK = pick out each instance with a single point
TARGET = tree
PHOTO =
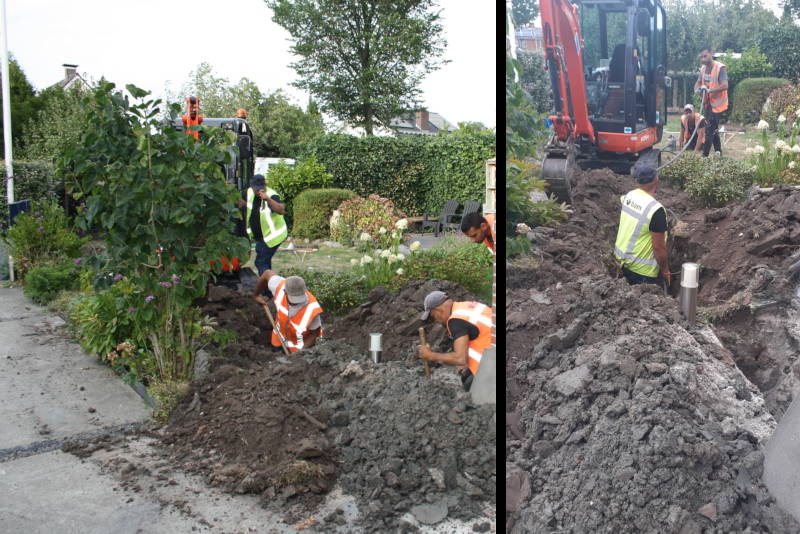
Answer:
(24, 103)
(535, 80)
(363, 60)
(781, 45)
(280, 128)
(470, 128)
(524, 11)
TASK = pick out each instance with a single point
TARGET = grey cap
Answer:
(258, 183)
(689, 107)
(296, 290)
(433, 300)
(644, 174)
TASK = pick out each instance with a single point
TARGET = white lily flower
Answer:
(762, 125)
(400, 271)
(792, 164)
(781, 118)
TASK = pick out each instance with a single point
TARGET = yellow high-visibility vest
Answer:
(634, 246)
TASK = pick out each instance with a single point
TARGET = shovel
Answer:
(276, 330)
(424, 362)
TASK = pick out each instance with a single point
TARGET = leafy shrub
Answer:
(34, 181)
(750, 96)
(314, 208)
(459, 260)
(167, 394)
(419, 173)
(336, 292)
(44, 282)
(520, 208)
(714, 181)
(289, 182)
(42, 236)
(359, 215)
(783, 101)
(752, 64)
(517, 245)
(781, 44)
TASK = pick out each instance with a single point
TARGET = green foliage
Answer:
(524, 125)
(535, 80)
(314, 208)
(750, 95)
(419, 173)
(160, 199)
(42, 236)
(781, 45)
(337, 292)
(777, 164)
(520, 183)
(461, 261)
(714, 181)
(289, 182)
(523, 11)
(784, 101)
(60, 122)
(24, 104)
(280, 128)
(44, 282)
(517, 245)
(33, 180)
(361, 215)
(362, 59)
(752, 64)
(380, 264)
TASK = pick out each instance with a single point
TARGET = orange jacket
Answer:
(294, 328)
(701, 134)
(719, 101)
(479, 315)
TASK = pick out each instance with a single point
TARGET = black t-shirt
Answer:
(658, 223)
(460, 327)
(255, 221)
(690, 125)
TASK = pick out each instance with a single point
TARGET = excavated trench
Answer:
(619, 416)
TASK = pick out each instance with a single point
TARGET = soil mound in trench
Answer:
(621, 419)
(397, 317)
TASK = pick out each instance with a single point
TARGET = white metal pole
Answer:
(7, 122)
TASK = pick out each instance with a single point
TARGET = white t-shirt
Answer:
(273, 284)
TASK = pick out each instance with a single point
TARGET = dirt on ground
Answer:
(411, 450)
(619, 416)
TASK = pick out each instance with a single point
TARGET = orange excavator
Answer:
(238, 172)
(607, 65)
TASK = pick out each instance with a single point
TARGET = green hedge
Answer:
(418, 173)
(33, 180)
(313, 209)
(750, 95)
(44, 282)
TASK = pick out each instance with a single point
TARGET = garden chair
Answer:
(436, 221)
(455, 224)
(470, 207)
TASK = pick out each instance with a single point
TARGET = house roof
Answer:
(72, 78)
(406, 124)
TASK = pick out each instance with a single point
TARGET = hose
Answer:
(680, 153)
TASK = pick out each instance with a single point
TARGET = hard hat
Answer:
(241, 113)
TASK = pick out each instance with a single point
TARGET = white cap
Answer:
(689, 107)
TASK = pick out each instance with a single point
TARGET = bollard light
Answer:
(689, 284)
(375, 348)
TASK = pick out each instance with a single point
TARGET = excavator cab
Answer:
(607, 63)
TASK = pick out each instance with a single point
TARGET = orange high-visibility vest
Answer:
(294, 328)
(719, 101)
(701, 134)
(490, 244)
(479, 315)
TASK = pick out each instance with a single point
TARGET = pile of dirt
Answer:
(622, 420)
(397, 317)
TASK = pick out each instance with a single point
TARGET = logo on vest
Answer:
(631, 204)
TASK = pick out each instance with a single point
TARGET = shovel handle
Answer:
(276, 330)
(424, 362)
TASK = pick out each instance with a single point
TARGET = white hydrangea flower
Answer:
(758, 149)
(386, 253)
(415, 246)
(400, 271)
(365, 236)
(401, 224)
(792, 164)
(762, 125)
(401, 256)
(782, 146)
(366, 259)
(781, 118)
(392, 258)
(382, 230)
(796, 148)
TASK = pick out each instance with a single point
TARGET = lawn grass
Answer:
(324, 259)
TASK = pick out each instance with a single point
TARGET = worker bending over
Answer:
(641, 247)
(691, 120)
(298, 312)
(479, 229)
(470, 327)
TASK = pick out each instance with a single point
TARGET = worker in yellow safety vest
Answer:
(641, 246)
(265, 223)
(470, 327)
(298, 312)
(712, 83)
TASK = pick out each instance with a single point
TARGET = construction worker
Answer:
(470, 327)
(689, 121)
(712, 83)
(641, 246)
(265, 223)
(479, 229)
(298, 312)
(241, 113)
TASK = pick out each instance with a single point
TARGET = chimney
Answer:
(422, 121)
(70, 71)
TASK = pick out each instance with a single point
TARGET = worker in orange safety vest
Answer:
(470, 327)
(298, 312)
(712, 83)
(692, 123)
(479, 229)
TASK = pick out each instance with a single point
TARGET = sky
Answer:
(156, 44)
